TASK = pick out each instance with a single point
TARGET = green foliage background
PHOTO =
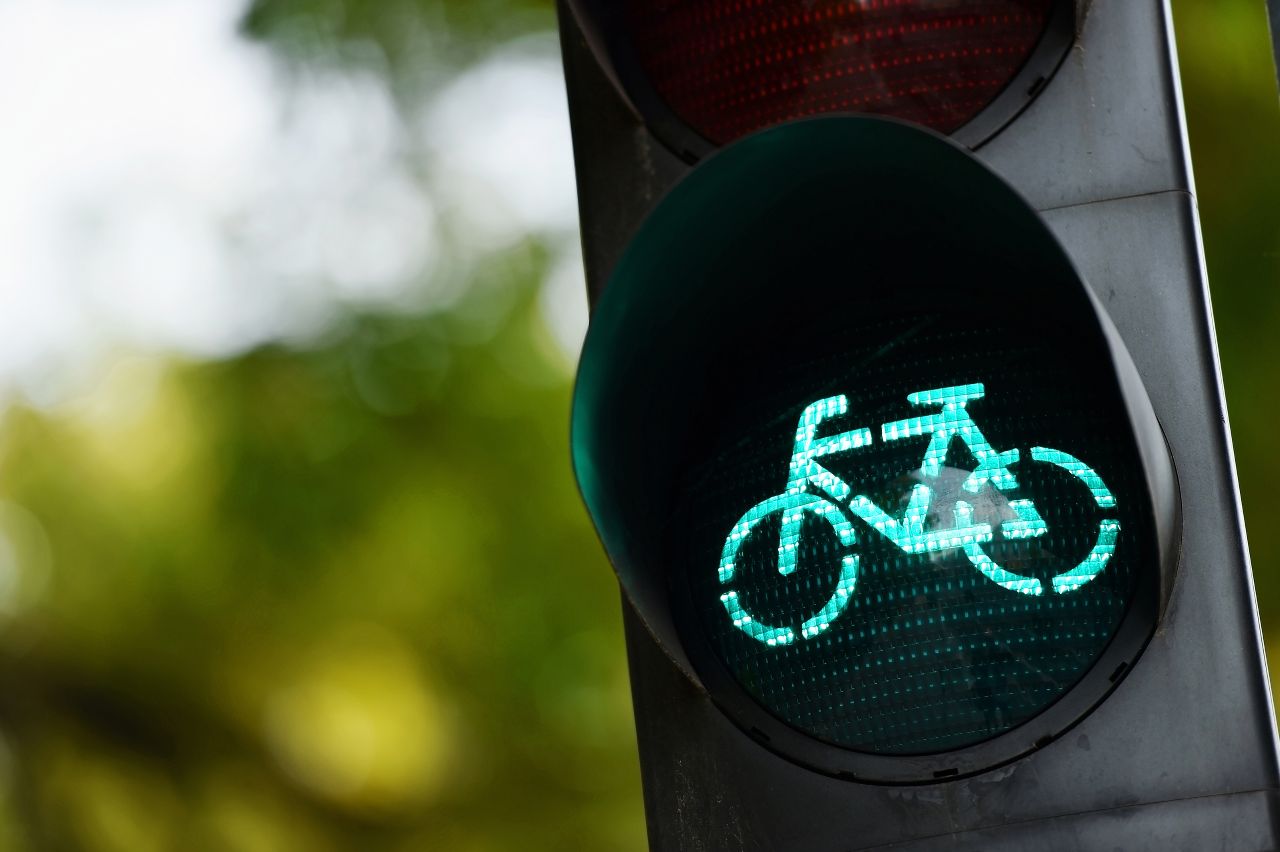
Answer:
(344, 596)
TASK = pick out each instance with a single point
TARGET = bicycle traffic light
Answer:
(912, 462)
(807, 462)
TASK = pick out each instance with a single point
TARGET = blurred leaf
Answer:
(360, 568)
(408, 35)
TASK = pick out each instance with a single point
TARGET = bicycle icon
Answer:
(815, 490)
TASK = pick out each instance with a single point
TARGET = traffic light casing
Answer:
(1173, 746)
(859, 259)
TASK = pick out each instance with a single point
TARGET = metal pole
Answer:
(1273, 16)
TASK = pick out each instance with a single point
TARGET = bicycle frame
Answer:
(813, 488)
(908, 532)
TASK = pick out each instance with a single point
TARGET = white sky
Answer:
(164, 186)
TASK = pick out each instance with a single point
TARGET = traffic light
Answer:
(900, 421)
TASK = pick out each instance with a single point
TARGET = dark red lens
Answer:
(728, 67)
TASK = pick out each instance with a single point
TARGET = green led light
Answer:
(1078, 469)
(993, 572)
(804, 469)
(1093, 563)
(908, 532)
(792, 506)
(1029, 524)
(924, 583)
(954, 422)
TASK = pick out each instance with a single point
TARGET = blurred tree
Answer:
(414, 42)
(338, 597)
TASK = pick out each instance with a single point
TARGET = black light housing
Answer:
(814, 259)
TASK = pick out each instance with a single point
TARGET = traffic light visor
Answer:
(868, 457)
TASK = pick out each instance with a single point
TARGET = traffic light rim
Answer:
(604, 28)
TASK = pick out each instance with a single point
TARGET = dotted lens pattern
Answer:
(728, 67)
(928, 655)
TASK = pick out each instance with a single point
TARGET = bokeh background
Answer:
(290, 553)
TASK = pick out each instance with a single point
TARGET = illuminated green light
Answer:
(804, 470)
(992, 571)
(1080, 470)
(792, 506)
(954, 422)
(814, 489)
(1029, 523)
(908, 532)
(1093, 563)
(909, 566)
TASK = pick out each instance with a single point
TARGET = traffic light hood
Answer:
(790, 264)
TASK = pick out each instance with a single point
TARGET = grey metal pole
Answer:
(1273, 16)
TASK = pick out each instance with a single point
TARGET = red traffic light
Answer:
(706, 72)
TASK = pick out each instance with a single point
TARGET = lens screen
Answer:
(919, 535)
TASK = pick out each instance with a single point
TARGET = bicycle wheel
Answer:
(1091, 566)
(793, 508)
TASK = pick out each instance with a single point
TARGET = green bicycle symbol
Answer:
(813, 489)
